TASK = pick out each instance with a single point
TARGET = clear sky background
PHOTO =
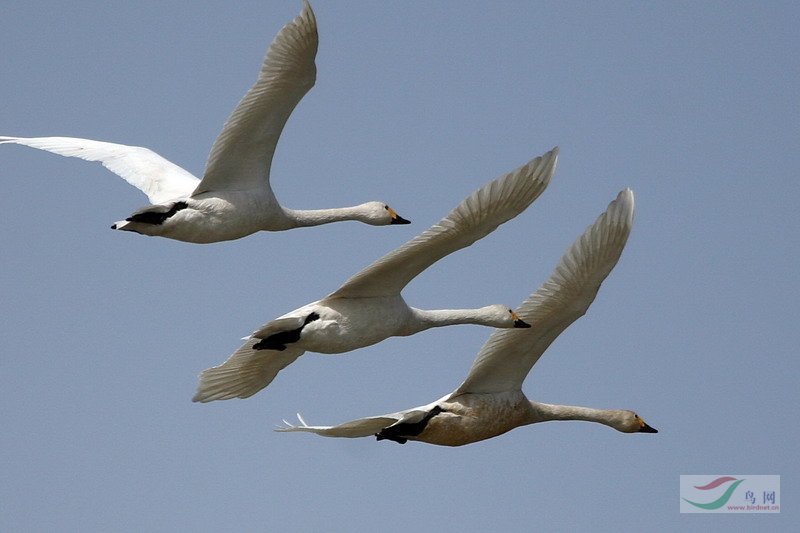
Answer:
(692, 105)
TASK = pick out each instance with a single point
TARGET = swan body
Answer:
(490, 401)
(335, 326)
(234, 199)
(369, 307)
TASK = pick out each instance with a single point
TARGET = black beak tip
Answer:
(648, 429)
(400, 220)
(521, 324)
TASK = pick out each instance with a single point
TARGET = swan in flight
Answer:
(490, 402)
(234, 199)
(368, 308)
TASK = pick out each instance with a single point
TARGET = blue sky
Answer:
(692, 105)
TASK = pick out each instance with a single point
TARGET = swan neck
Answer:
(544, 412)
(434, 318)
(316, 217)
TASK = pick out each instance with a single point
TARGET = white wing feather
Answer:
(244, 373)
(362, 427)
(508, 356)
(155, 176)
(242, 154)
(278, 325)
(477, 216)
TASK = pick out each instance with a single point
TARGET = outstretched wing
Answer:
(505, 360)
(242, 154)
(477, 216)
(362, 427)
(245, 373)
(158, 178)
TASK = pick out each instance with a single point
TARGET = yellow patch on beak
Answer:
(518, 322)
(395, 218)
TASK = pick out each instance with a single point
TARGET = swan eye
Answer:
(386, 207)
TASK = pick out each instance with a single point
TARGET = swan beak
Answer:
(646, 429)
(518, 322)
(397, 219)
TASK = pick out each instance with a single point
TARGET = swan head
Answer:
(379, 214)
(503, 317)
(629, 422)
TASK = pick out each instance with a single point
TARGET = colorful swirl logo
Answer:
(722, 500)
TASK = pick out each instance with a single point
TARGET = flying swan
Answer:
(490, 402)
(234, 199)
(368, 308)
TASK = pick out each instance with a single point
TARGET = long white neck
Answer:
(433, 318)
(543, 412)
(316, 217)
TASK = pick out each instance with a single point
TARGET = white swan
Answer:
(490, 402)
(368, 308)
(234, 198)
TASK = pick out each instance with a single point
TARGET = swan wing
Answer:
(158, 178)
(279, 324)
(505, 360)
(242, 154)
(477, 216)
(245, 373)
(361, 427)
